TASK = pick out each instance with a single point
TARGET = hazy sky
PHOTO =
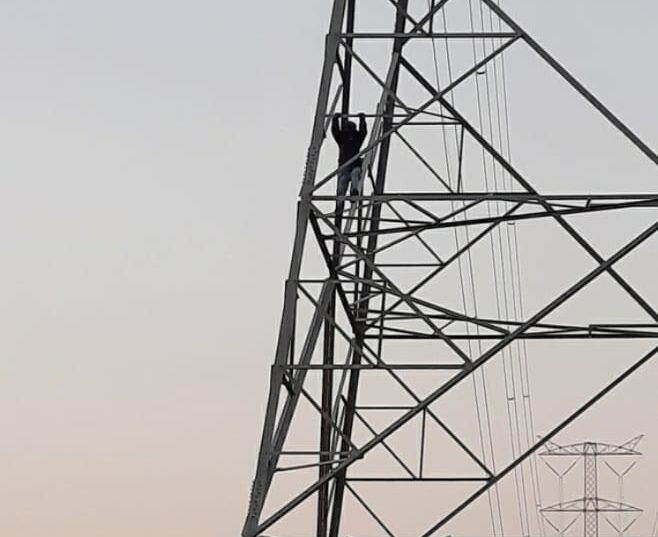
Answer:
(150, 158)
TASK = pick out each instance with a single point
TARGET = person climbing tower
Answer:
(349, 140)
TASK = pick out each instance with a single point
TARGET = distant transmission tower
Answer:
(400, 293)
(592, 506)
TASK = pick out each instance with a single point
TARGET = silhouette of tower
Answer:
(591, 506)
(398, 303)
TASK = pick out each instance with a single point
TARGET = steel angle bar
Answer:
(366, 298)
(403, 11)
(446, 315)
(650, 198)
(377, 366)
(562, 211)
(261, 480)
(387, 246)
(364, 219)
(373, 143)
(298, 453)
(304, 466)
(459, 377)
(381, 365)
(448, 262)
(423, 113)
(456, 212)
(394, 289)
(557, 429)
(328, 260)
(298, 380)
(271, 446)
(393, 374)
(385, 105)
(571, 80)
(383, 84)
(402, 335)
(519, 217)
(429, 16)
(391, 82)
(332, 108)
(510, 169)
(600, 448)
(391, 479)
(429, 214)
(408, 226)
(384, 407)
(418, 237)
(576, 236)
(428, 35)
(526, 185)
(391, 288)
(369, 510)
(382, 111)
(460, 167)
(434, 218)
(469, 72)
(500, 324)
(440, 422)
(369, 115)
(581, 505)
(388, 448)
(449, 123)
(388, 331)
(450, 315)
(331, 50)
(410, 265)
(421, 455)
(328, 419)
(348, 339)
(417, 26)
(423, 160)
(378, 363)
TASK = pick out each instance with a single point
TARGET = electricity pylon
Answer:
(372, 340)
(591, 506)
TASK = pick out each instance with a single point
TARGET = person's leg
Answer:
(355, 179)
(341, 189)
(343, 182)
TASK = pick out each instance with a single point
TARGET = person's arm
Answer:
(335, 128)
(363, 128)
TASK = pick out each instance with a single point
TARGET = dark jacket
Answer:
(349, 142)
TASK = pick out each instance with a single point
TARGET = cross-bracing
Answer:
(591, 506)
(377, 302)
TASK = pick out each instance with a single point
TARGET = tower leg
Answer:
(591, 514)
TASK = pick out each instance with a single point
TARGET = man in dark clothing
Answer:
(349, 141)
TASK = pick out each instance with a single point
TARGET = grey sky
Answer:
(151, 155)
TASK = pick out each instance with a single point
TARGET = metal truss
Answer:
(591, 506)
(358, 303)
(599, 448)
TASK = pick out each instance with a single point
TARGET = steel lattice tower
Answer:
(591, 505)
(366, 306)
